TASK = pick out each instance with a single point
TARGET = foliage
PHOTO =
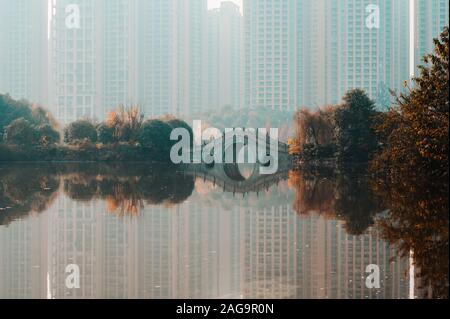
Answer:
(415, 133)
(177, 123)
(411, 172)
(21, 132)
(354, 119)
(344, 132)
(155, 134)
(125, 123)
(48, 135)
(11, 110)
(78, 131)
(314, 128)
(105, 134)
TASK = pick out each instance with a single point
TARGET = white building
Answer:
(23, 49)
(171, 56)
(269, 57)
(76, 55)
(224, 49)
(431, 16)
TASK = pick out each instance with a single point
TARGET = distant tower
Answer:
(366, 47)
(224, 47)
(120, 85)
(171, 56)
(23, 49)
(76, 72)
(431, 16)
(269, 76)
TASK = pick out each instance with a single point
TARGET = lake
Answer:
(150, 231)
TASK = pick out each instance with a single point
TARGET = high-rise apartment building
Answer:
(23, 49)
(431, 16)
(76, 69)
(171, 56)
(269, 76)
(93, 63)
(310, 53)
(342, 45)
(224, 49)
(120, 76)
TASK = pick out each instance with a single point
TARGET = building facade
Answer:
(224, 49)
(171, 56)
(76, 71)
(269, 76)
(24, 50)
(431, 16)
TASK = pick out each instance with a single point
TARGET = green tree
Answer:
(105, 134)
(412, 170)
(11, 110)
(48, 135)
(415, 133)
(155, 134)
(177, 123)
(354, 120)
(81, 130)
(126, 123)
(21, 132)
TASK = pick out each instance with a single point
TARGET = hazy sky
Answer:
(216, 3)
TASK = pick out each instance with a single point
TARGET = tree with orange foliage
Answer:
(125, 123)
(412, 171)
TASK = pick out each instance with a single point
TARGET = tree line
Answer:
(413, 130)
(404, 151)
(29, 132)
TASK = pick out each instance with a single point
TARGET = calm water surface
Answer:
(143, 231)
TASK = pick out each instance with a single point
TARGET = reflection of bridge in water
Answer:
(230, 176)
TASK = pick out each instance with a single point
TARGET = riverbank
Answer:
(88, 152)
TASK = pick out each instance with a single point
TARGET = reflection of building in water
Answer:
(104, 247)
(23, 259)
(213, 246)
(189, 251)
(270, 252)
(119, 256)
(331, 263)
(75, 237)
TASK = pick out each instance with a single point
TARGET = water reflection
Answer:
(418, 221)
(142, 231)
(343, 194)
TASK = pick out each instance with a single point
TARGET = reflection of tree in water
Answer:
(32, 187)
(25, 189)
(418, 220)
(344, 194)
(355, 201)
(127, 188)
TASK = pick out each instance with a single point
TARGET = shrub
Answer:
(21, 132)
(355, 136)
(48, 135)
(125, 123)
(156, 134)
(105, 134)
(176, 123)
(79, 131)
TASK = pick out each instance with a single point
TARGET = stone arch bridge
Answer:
(230, 176)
